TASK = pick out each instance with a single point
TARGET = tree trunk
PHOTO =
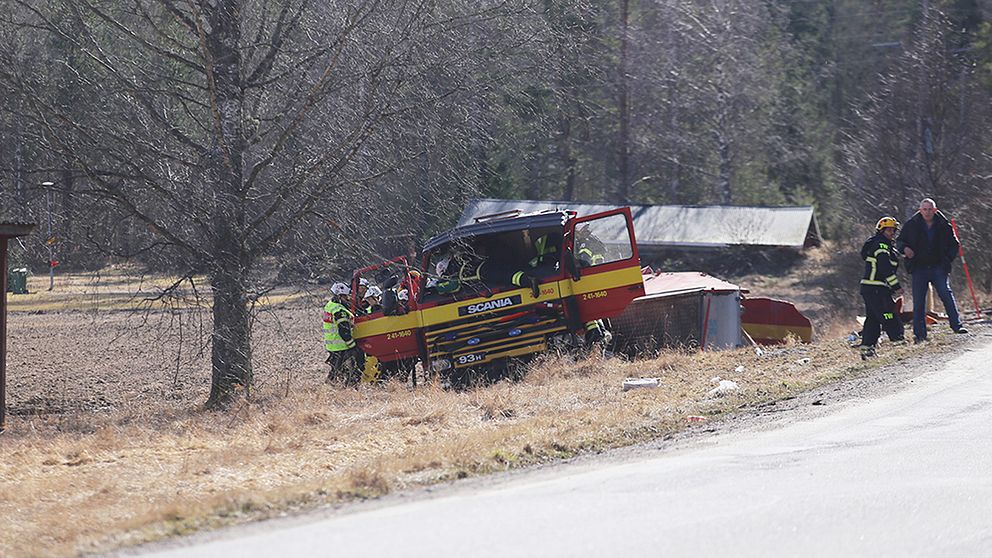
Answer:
(621, 193)
(725, 153)
(231, 339)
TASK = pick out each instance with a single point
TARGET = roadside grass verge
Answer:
(143, 473)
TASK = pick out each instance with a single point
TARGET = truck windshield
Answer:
(477, 266)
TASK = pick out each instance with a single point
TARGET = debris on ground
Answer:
(723, 388)
(634, 383)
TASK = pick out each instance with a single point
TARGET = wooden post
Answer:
(3, 334)
(7, 231)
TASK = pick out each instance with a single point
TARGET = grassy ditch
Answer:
(142, 473)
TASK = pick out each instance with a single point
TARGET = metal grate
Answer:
(651, 324)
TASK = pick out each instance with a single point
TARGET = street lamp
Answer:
(50, 241)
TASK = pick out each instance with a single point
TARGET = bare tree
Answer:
(224, 126)
(924, 134)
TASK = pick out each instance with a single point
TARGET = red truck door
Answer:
(604, 270)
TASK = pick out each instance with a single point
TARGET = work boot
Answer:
(868, 352)
(535, 285)
(593, 336)
(961, 330)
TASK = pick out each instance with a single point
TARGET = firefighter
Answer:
(403, 301)
(372, 303)
(544, 260)
(340, 346)
(363, 287)
(589, 250)
(546, 251)
(878, 285)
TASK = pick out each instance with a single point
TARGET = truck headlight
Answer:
(440, 364)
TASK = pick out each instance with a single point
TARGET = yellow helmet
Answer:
(886, 222)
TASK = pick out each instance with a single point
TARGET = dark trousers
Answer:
(345, 365)
(879, 314)
(922, 279)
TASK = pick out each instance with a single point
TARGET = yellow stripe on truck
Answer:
(601, 281)
(449, 312)
(387, 324)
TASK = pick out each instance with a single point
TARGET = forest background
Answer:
(264, 142)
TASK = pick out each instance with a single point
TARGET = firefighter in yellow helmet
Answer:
(878, 286)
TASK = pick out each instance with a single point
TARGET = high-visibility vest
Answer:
(336, 314)
(543, 251)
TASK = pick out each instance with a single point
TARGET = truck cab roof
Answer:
(500, 224)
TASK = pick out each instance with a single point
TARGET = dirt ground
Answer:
(121, 353)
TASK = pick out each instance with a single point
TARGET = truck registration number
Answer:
(470, 358)
(398, 334)
(597, 294)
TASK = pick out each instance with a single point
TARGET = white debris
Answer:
(739, 369)
(725, 387)
(633, 383)
(758, 351)
(804, 361)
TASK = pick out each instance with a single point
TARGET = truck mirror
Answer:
(571, 265)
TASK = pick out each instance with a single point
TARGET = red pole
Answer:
(967, 275)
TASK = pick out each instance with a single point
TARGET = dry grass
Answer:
(141, 473)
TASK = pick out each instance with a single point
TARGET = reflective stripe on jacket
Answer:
(336, 316)
(881, 262)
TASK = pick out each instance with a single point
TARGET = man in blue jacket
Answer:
(929, 244)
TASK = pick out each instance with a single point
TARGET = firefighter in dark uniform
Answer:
(878, 285)
(475, 266)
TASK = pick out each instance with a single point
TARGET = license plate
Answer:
(470, 358)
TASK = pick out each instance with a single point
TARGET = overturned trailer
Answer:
(687, 310)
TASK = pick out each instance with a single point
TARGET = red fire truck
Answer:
(498, 290)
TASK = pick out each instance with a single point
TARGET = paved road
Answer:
(906, 474)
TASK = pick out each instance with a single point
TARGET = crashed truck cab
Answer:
(500, 288)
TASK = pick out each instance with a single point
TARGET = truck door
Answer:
(604, 271)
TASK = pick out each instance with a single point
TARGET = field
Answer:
(108, 443)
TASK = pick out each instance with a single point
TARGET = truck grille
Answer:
(486, 337)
